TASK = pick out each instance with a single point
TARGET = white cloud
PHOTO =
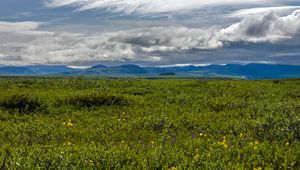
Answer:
(151, 44)
(18, 26)
(263, 10)
(184, 65)
(264, 28)
(147, 6)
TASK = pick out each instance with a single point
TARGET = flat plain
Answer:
(80, 123)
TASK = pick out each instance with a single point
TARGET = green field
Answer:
(149, 124)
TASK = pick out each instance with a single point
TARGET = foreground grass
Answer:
(149, 124)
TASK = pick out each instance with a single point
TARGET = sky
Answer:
(149, 32)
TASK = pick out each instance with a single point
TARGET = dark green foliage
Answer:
(94, 100)
(276, 81)
(22, 103)
(167, 74)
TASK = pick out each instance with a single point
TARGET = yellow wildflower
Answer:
(223, 143)
(68, 143)
(258, 168)
(201, 134)
(69, 123)
(91, 162)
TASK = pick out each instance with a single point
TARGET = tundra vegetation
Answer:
(149, 124)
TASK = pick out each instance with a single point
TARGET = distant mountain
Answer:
(127, 69)
(174, 69)
(99, 66)
(46, 70)
(15, 71)
(113, 70)
(249, 71)
(254, 71)
(34, 70)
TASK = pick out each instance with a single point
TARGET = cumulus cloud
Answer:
(146, 6)
(151, 44)
(264, 28)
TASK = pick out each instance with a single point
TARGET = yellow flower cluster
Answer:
(223, 143)
(254, 144)
(69, 123)
(68, 143)
(203, 135)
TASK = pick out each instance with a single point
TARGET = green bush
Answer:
(22, 103)
(94, 100)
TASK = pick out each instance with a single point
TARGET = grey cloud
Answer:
(18, 26)
(149, 45)
(11, 58)
(264, 28)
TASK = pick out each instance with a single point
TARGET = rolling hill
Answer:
(249, 71)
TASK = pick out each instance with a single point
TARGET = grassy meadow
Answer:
(149, 124)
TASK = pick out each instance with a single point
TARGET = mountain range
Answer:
(249, 71)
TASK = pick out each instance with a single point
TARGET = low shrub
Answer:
(22, 103)
(94, 100)
(276, 81)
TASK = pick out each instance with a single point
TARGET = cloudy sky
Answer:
(149, 32)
